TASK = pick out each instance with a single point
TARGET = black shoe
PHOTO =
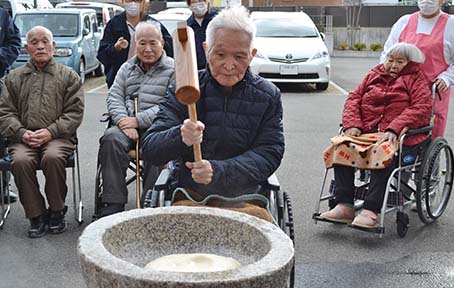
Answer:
(111, 208)
(12, 197)
(57, 223)
(38, 226)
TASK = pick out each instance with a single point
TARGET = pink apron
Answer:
(432, 47)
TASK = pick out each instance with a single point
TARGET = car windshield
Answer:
(288, 28)
(170, 25)
(82, 5)
(61, 25)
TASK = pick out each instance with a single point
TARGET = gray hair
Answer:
(147, 25)
(235, 18)
(410, 51)
(34, 29)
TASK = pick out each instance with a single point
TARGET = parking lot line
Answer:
(97, 88)
(342, 90)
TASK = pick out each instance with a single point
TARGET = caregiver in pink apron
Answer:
(432, 31)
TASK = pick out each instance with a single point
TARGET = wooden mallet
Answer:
(186, 77)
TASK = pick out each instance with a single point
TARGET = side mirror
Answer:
(85, 31)
(322, 35)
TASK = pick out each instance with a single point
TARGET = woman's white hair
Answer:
(147, 25)
(235, 18)
(410, 51)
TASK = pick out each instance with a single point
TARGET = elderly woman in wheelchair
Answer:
(394, 96)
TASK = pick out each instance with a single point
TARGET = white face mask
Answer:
(428, 7)
(199, 9)
(132, 8)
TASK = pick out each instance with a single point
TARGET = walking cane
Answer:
(186, 77)
(136, 109)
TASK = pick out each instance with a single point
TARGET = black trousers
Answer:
(344, 192)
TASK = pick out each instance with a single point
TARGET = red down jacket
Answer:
(382, 102)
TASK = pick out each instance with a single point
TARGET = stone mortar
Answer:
(113, 250)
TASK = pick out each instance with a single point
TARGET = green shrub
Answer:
(376, 47)
(343, 46)
(359, 46)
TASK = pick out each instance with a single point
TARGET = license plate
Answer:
(289, 70)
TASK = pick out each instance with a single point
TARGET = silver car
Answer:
(290, 49)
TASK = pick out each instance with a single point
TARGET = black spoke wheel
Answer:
(98, 192)
(286, 224)
(435, 181)
(402, 224)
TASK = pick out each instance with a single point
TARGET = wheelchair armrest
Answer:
(105, 117)
(272, 183)
(163, 180)
(425, 129)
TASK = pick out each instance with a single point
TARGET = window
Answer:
(61, 25)
(87, 23)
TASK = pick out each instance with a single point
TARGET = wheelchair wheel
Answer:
(435, 181)
(402, 224)
(286, 224)
(98, 193)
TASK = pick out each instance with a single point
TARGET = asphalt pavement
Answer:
(326, 255)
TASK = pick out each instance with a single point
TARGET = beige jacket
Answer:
(52, 98)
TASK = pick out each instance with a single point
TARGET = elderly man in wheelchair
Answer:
(393, 97)
(240, 128)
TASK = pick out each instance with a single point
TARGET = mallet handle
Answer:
(193, 116)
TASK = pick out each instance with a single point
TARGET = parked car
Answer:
(14, 6)
(104, 11)
(75, 33)
(171, 19)
(290, 49)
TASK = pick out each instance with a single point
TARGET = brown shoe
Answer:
(342, 213)
(366, 219)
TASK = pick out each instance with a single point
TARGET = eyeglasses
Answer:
(137, 1)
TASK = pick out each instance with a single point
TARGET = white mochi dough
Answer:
(196, 262)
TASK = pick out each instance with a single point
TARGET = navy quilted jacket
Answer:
(243, 137)
(9, 42)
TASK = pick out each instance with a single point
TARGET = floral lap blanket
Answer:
(360, 152)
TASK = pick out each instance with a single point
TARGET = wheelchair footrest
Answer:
(377, 230)
(316, 216)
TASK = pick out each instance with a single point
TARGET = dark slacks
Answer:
(52, 158)
(344, 192)
(114, 159)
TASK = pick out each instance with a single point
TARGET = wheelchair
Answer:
(280, 206)
(423, 177)
(71, 162)
(134, 166)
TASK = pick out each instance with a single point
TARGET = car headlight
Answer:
(63, 52)
(320, 54)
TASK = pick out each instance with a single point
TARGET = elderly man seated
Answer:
(147, 76)
(240, 127)
(41, 107)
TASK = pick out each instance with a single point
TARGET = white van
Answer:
(104, 11)
(14, 6)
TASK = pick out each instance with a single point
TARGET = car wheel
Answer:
(82, 70)
(99, 71)
(322, 86)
